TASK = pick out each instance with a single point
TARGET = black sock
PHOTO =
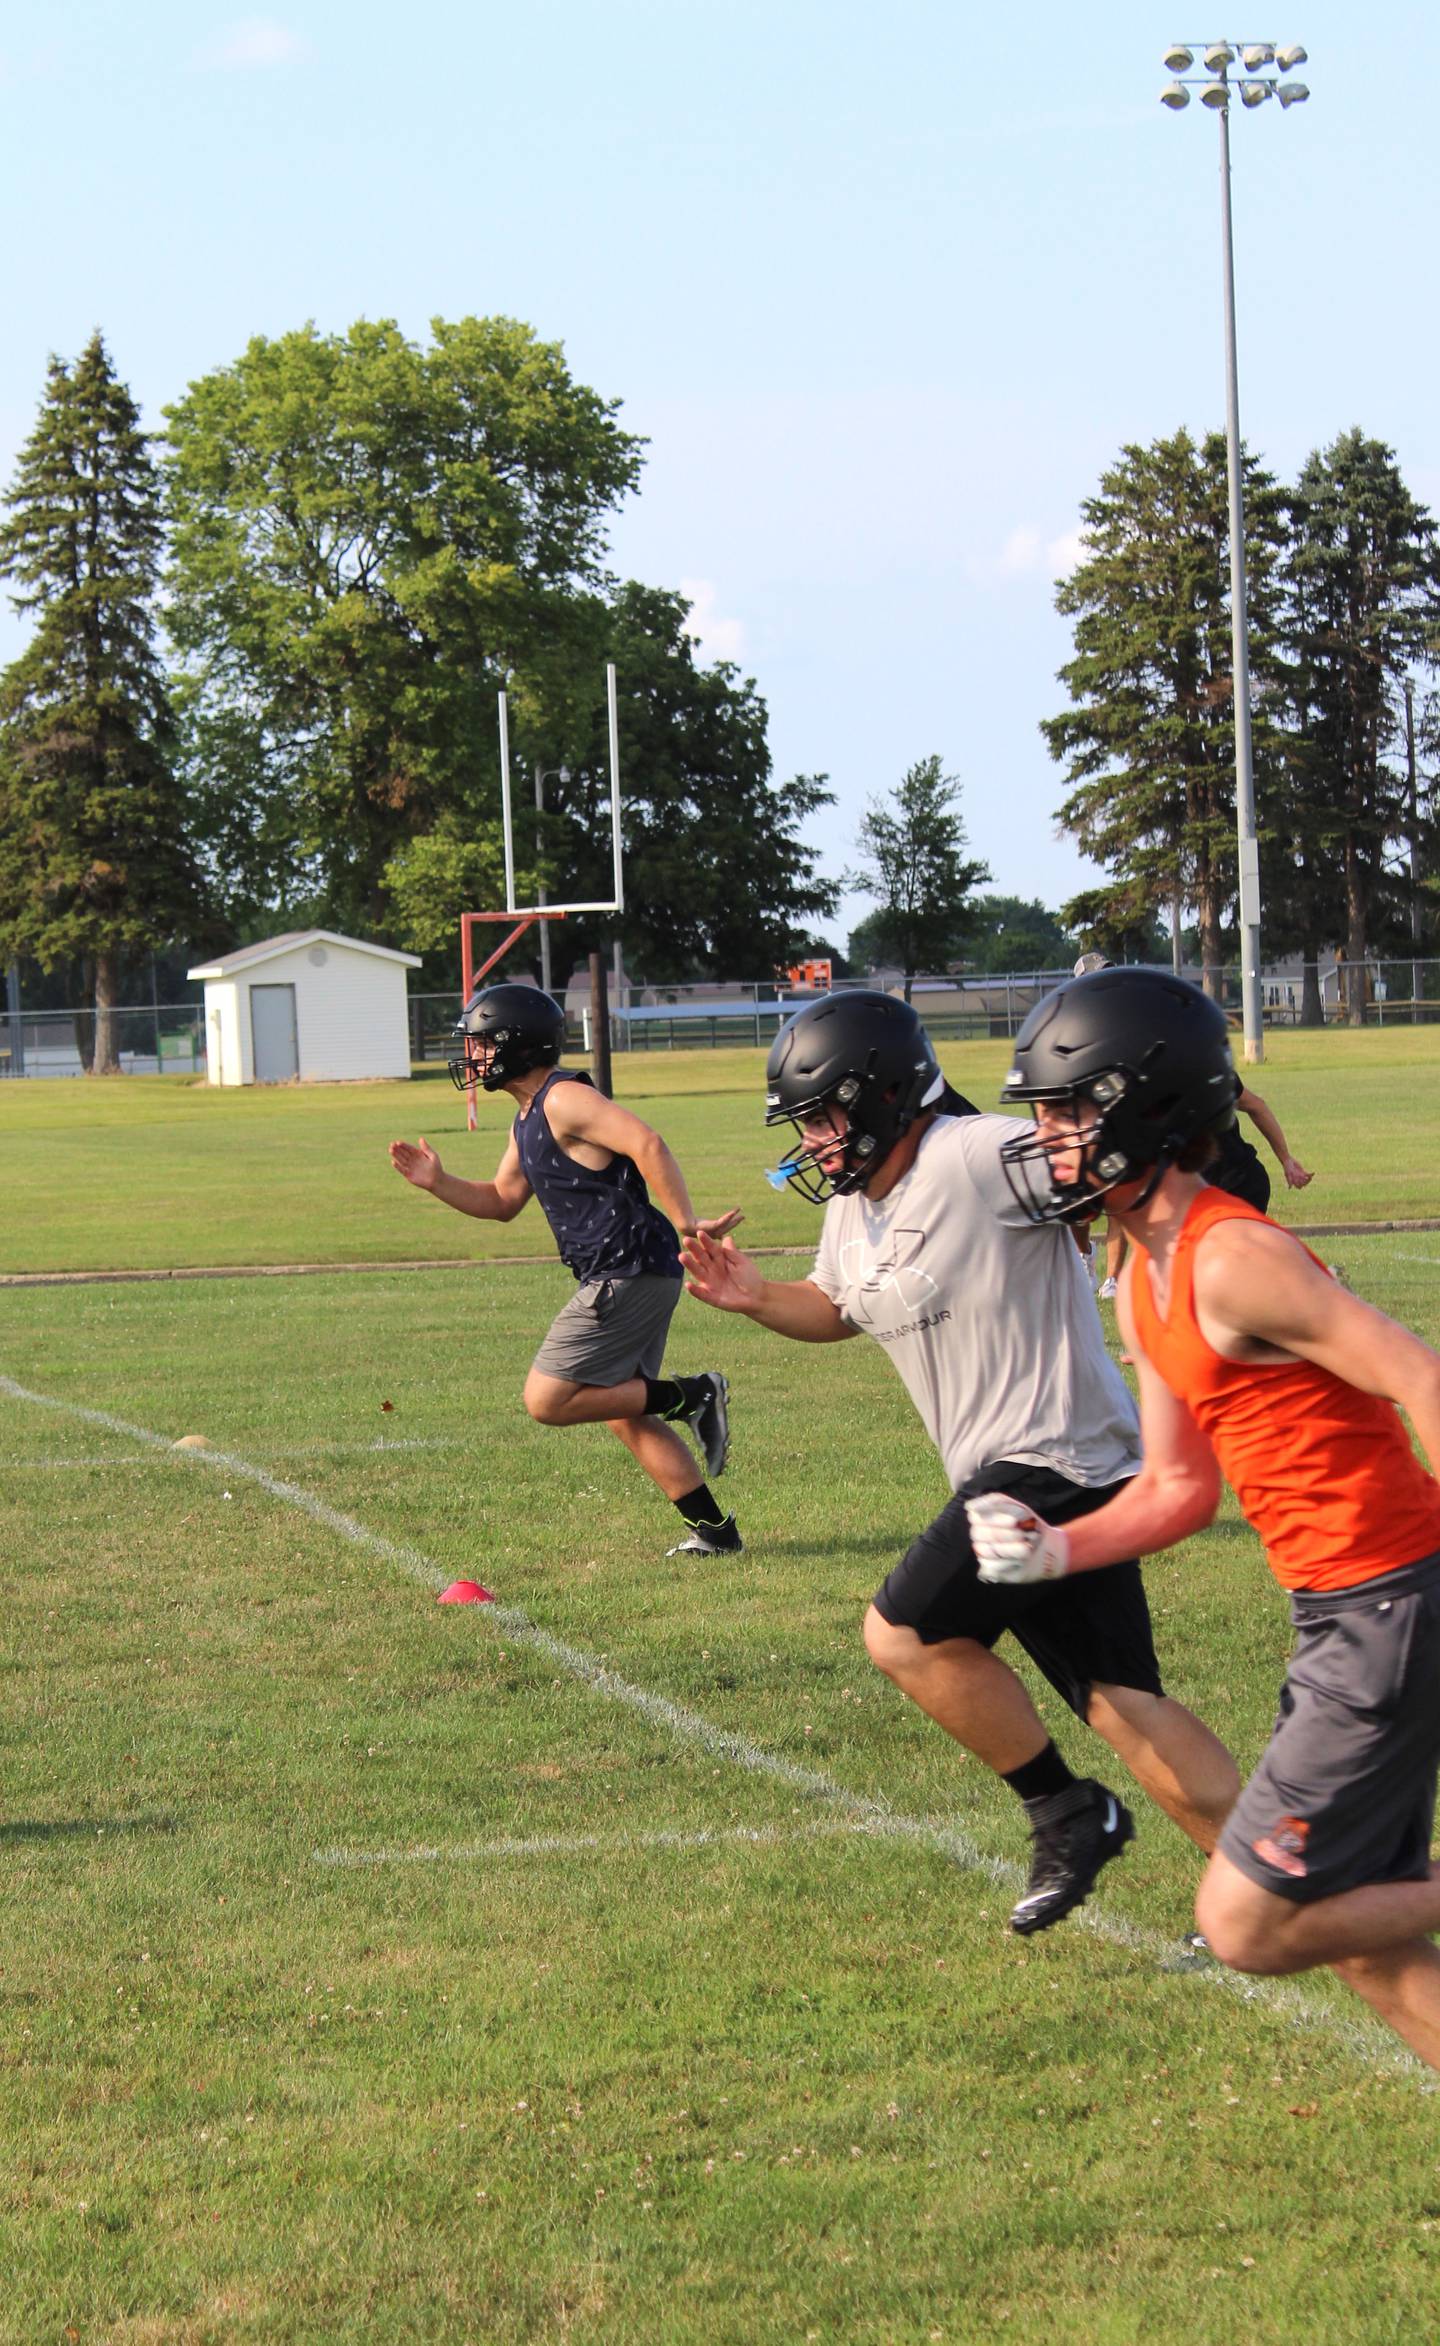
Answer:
(672, 1397)
(1040, 1778)
(699, 1507)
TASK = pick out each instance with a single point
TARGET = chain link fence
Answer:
(157, 1039)
(169, 1038)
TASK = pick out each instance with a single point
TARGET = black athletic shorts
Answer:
(1238, 1171)
(1092, 1630)
(1345, 1792)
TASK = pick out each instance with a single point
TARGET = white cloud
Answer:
(255, 41)
(1026, 554)
(720, 639)
(1063, 555)
(1020, 552)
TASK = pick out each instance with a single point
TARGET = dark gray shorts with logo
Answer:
(610, 1330)
(1345, 1793)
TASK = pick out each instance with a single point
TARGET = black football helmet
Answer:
(1149, 1053)
(865, 1054)
(505, 1031)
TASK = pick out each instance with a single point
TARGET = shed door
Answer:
(272, 1030)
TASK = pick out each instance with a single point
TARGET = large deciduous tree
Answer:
(368, 535)
(1013, 932)
(93, 860)
(1365, 578)
(1149, 741)
(915, 868)
(718, 877)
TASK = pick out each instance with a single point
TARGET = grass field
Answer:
(158, 1173)
(624, 1961)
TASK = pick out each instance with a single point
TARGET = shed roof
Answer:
(246, 956)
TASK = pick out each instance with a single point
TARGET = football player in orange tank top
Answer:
(1252, 1358)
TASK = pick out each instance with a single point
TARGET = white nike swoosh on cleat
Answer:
(1112, 1813)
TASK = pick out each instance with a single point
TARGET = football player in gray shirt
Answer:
(989, 1321)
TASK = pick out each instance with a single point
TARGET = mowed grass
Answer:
(164, 1173)
(625, 1963)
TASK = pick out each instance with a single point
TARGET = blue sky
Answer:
(886, 291)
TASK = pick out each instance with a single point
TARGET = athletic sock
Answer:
(1040, 1778)
(699, 1508)
(672, 1397)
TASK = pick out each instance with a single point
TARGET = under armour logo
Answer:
(887, 1270)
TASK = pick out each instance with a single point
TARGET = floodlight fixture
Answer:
(1254, 93)
(1288, 59)
(1179, 59)
(1175, 94)
(1218, 56)
(1259, 53)
(1292, 93)
(1215, 93)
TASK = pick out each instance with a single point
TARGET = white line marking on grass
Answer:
(1432, 1259)
(592, 1844)
(1370, 2042)
(315, 1450)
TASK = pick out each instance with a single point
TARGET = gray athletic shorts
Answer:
(611, 1329)
(1345, 1793)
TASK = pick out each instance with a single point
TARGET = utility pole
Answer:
(17, 1032)
(1415, 916)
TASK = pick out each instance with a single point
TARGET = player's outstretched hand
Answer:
(420, 1165)
(716, 1272)
(716, 1225)
(1012, 1543)
(1295, 1173)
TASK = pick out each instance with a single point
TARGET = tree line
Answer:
(260, 688)
(1344, 622)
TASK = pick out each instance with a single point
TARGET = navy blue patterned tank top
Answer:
(604, 1223)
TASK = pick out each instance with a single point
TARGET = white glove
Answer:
(1012, 1543)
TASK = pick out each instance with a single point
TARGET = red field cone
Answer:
(465, 1592)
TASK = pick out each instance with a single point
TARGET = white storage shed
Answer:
(312, 1005)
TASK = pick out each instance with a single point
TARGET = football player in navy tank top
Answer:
(592, 1164)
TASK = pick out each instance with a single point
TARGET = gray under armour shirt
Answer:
(987, 1317)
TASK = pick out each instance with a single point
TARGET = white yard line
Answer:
(1368, 2041)
(589, 1844)
(313, 1450)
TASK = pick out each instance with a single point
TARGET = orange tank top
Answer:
(1325, 1473)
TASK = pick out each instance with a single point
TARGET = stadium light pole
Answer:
(1260, 65)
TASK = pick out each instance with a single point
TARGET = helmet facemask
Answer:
(499, 1041)
(873, 1121)
(1106, 1161)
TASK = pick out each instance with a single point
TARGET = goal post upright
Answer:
(522, 917)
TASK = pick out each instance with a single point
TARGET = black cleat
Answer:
(1073, 1834)
(711, 1539)
(709, 1421)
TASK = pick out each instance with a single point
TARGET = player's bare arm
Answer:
(499, 1200)
(583, 1121)
(719, 1274)
(1174, 1495)
(1258, 1296)
(1268, 1124)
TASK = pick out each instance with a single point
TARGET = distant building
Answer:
(311, 1007)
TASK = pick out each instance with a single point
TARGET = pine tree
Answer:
(1149, 744)
(1365, 578)
(93, 861)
